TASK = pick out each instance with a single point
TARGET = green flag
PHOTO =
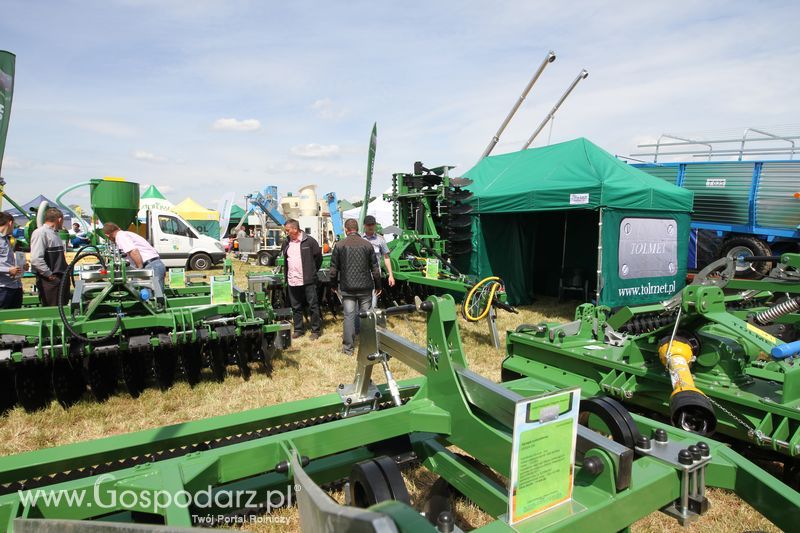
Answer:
(6, 92)
(373, 143)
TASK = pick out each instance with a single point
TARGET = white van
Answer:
(179, 244)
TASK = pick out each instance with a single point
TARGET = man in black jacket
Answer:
(355, 268)
(302, 258)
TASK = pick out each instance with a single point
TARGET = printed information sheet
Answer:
(543, 453)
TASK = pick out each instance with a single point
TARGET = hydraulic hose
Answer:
(495, 284)
(65, 280)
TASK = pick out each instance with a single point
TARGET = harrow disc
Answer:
(459, 221)
(266, 351)
(191, 362)
(460, 209)
(134, 372)
(460, 247)
(243, 348)
(459, 195)
(216, 361)
(8, 395)
(101, 374)
(164, 365)
(67, 380)
(32, 384)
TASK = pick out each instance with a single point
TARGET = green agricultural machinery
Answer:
(432, 228)
(118, 326)
(722, 357)
(236, 468)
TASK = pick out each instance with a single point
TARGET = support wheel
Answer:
(608, 417)
(377, 480)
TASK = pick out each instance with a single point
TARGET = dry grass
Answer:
(305, 370)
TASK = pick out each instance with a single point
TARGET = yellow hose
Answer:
(465, 309)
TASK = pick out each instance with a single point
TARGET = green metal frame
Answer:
(757, 397)
(448, 406)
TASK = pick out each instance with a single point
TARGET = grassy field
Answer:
(305, 370)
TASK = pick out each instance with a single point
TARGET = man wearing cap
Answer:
(381, 249)
(138, 250)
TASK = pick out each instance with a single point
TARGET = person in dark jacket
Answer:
(302, 258)
(47, 257)
(354, 268)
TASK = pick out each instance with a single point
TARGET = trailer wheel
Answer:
(266, 259)
(200, 261)
(744, 245)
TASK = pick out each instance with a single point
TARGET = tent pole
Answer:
(549, 58)
(564, 243)
(581, 76)
(599, 255)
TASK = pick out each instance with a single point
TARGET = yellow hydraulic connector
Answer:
(484, 287)
(690, 408)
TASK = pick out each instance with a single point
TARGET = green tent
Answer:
(548, 219)
(153, 192)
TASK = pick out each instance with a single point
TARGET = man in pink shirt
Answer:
(302, 258)
(138, 250)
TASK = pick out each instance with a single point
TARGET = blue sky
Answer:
(201, 97)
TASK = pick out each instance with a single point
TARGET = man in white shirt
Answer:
(138, 250)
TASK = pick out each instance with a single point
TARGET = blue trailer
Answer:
(744, 207)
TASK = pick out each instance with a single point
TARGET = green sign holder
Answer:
(542, 466)
(432, 268)
(221, 289)
(177, 278)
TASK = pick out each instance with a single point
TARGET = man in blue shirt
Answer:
(10, 273)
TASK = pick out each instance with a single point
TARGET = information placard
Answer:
(177, 278)
(432, 268)
(543, 453)
(221, 289)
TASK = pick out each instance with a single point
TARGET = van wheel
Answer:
(266, 259)
(742, 245)
(200, 261)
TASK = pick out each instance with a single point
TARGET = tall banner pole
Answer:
(7, 64)
(373, 144)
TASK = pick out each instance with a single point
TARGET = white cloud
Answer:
(325, 109)
(143, 155)
(233, 124)
(319, 151)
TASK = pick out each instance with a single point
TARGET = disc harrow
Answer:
(119, 331)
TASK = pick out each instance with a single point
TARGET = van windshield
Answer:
(173, 226)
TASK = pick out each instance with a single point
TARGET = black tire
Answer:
(266, 259)
(200, 261)
(747, 245)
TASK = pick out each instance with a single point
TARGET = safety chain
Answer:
(751, 431)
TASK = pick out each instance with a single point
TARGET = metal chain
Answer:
(751, 431)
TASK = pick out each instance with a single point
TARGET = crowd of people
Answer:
(48, 260)
(359, 267)
(355, 275)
